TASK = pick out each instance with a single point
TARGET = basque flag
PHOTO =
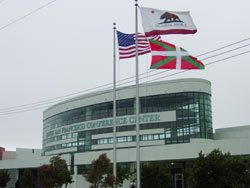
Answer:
(169, 56)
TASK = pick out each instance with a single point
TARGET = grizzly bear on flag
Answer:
(169, 17)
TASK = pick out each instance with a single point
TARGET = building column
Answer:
(75, 177)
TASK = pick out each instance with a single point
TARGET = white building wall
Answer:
(171, 151)
(232, 133)
(238, 144)
(25, 158)
(66, 150)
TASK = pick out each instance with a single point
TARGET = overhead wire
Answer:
(224, 47)
(64, 97)
(196, 56)
(26, 15)
(25, 110)
(58, 99)
(205, 64)
(228, 58)
(31, 107)
(226, 52)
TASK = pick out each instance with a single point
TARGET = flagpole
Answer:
(114, 105)
(138, 182)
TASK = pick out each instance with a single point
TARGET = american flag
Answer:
(127, 47)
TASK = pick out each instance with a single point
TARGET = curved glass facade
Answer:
(193, 120)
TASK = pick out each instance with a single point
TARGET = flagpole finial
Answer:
(136, 2)
(114, 25)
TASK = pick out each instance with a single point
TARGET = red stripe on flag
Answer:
(129, 56)
(170, 65)
(156, 47)
(172, 31)
(186, 65)
(139, 52)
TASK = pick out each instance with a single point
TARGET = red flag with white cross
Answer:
(169, 56)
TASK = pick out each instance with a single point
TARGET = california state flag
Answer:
(161, 22)
(169, 56)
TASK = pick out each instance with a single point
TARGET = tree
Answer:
(27, 179)
(155, 174)
(45, 177)
(123, 173)
(54, 175)
(101, 173)
(220, 170)
(100, 167)
(4, 178)
(61, 173)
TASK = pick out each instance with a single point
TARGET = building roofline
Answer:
(93, 94)
(232, 129)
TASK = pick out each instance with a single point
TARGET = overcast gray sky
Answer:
(67, 47)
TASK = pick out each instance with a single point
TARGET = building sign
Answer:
(120, 121)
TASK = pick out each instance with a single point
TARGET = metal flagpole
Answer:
(114, 105)
(138, 182)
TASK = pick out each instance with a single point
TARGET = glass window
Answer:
(64, 136)
(81, 143)
(69, 135)
(161, 136)
(156, 137)
(168, 132)
(69, 144)
(194, 119)
(125, 107)
(110, 140)
(83, 169)
(129, 139)
(180, 132)
(74, 144)
(144, 137)
(74, 135)
(150, 137)
(121, 139)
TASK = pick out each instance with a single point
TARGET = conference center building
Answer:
(175, 125)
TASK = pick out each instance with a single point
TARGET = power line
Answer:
(70, 95)
(49, 101)
(24, 110)
(26, 15)
(226, 52)
(228, 58)
(64, 97)
(205, 64)
(20, 111)
(61, 98)
(201, 60)
(224, 47)
(23, 107)
(53, 99)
